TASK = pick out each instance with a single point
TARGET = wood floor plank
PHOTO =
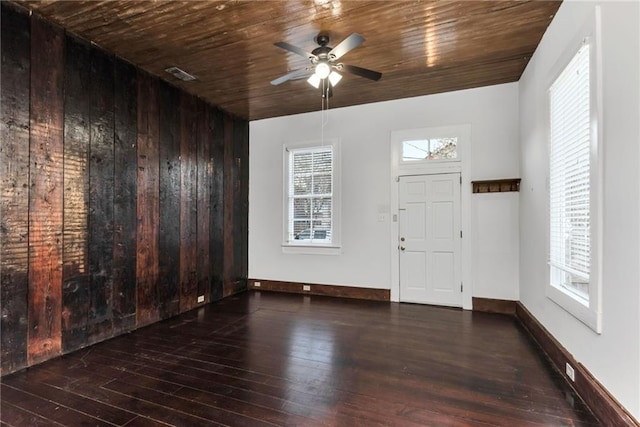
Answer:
(293, 360)
(145, 422)
(90, 407)
(99, 365)
(140, 406)
(307, 409)
(277, 417)
(49, 410)
(221, 398)
(15, 416)
(172, 401)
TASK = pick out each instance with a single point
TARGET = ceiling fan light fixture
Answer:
(314, 80)
(335, 78)
(322, 70)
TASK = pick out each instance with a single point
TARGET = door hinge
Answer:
(461, 234)
(461, 180)
(461, 287)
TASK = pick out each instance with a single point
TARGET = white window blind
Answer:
(310, 193)
(569, 176)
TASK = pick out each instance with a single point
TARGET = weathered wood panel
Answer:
(148, 205)
(170, 172)
(216, 218)
(125, 198)
(241, 203)
(46, 191)
(188, 202)
(75, 268)
(101, 186)
(96, 203)
(14, 194)
(228, 273)
(204, 182)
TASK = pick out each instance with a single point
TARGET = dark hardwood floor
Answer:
(264, 359)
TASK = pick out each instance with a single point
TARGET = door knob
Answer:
(402, 248)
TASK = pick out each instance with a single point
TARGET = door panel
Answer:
(443, 271)
(416, 271)
(416, 214)
(430, 268)
(443, 216)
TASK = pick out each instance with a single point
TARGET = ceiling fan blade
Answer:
(351, 42)
(290, 76)
(295, 49)
(362, 72)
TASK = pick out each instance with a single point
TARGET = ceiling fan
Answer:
(324, 65)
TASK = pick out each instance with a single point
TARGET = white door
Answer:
(429, 247)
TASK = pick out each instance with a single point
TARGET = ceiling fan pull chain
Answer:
(321, 120)
(326, 114)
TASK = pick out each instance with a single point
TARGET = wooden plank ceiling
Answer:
(421, 47)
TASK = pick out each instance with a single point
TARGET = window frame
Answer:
(307, 247)
(588, 311)
(438, 132)
(427, 160)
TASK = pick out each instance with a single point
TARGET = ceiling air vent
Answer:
(180, 74)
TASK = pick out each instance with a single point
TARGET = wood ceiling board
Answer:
(421, 47)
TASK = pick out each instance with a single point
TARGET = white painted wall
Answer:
(614, 356)
(365, 259)
(496, 246)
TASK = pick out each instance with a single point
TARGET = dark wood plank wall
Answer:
(123, 199)
(101, 186)
(204, 181)
(46, 161)
(75, 267)
(216, 220)
(169, 291)
(188, 202)
(14, 195)
(241, 204)
(148, 209)
(229, 177)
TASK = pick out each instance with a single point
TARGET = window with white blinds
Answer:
(310, 195)
(570, 176)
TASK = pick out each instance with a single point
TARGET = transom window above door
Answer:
(415, 150)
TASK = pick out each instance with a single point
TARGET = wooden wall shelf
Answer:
(496, 185)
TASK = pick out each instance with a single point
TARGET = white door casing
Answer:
(401, 168)
(429, 243)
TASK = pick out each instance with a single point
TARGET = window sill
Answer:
(570, 303)
(311, 249)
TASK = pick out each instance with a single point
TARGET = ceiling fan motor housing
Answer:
(322, 52)
(322, 39)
